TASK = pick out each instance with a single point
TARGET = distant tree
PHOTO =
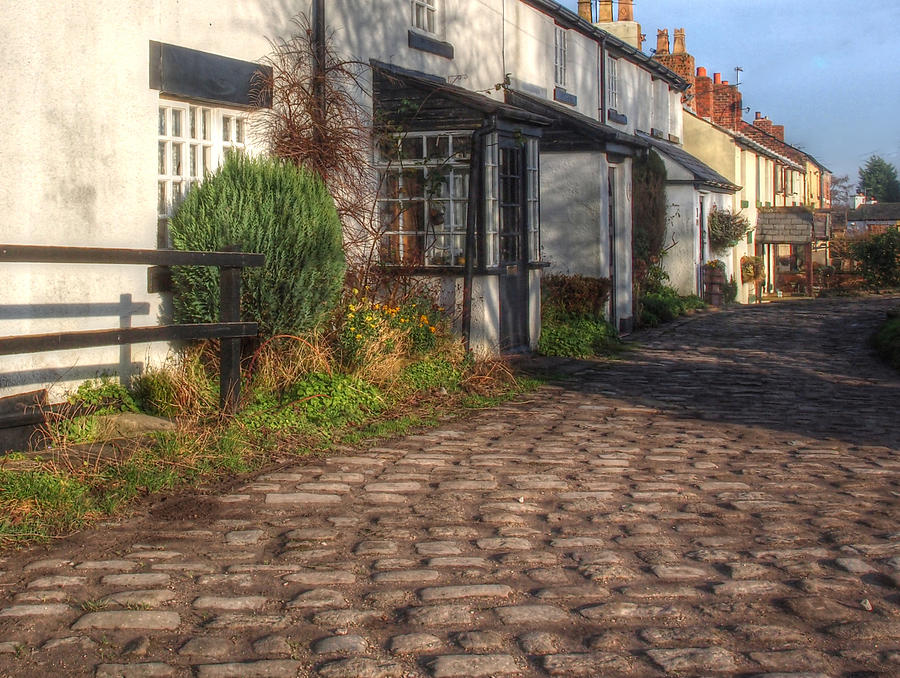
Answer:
(878, 179)
(840, 190)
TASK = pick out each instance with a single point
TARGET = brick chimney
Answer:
(762, 122)
(727, 102)
(778, 131)
(679, 42)
(662, 42)
(626, 28)
(703, 94)
(604, 12)
(584, 10)
(679, 60)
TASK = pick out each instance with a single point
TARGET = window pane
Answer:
(390, 185)
(176, 159)
(205, 126)
(460, 184)
(176, 123)
(438, 215)
(193, 118)
(226, 128)
(239, 130)
(414, 183)
(162, 122)
(438, 147)
(462, 147)
(161, 169)
(414, 216)
(207, 159)
(411, 148)
(161, 202)
(194, 153)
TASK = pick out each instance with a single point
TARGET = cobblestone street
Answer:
(723, 500)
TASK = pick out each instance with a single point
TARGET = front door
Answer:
(513, 249)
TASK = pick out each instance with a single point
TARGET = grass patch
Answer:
(300, 398)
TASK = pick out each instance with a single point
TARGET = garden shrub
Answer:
(368, 328)
(887, 340)
(265, 206)
(572, 323)
(730, 292)
(575, 294)
(879, 259)
(665, 304)
(577, 336)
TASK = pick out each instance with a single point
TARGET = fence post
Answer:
(230, 349)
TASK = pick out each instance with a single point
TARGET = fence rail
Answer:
(230, 330)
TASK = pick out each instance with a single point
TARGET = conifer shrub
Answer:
(572, 322)
(270, 207)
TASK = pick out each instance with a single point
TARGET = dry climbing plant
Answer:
(335, 142)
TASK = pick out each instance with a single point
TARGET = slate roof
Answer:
(702, 173)
(882, 211)
(792, 225)
(440, 103)
(570, 128)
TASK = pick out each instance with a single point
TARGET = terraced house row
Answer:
(513, 128)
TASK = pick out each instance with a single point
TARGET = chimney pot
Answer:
(758, 115)
(604, 12)
(701, 72)
(679, 47)
(662, 42)
(724, 82)
(717, 78)
(584, 10)
(626, 10)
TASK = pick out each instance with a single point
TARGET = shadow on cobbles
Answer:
(798, 367)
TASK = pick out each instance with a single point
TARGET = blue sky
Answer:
(826, 70)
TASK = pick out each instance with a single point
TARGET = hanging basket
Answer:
(752, 270)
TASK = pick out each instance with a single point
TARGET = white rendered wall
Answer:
(574, 231)
(79, 169)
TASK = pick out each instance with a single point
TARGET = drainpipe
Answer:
(318, 42)
(602, 69)
(476, 193)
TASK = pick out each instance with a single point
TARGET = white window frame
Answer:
(560, 56)
(424, 15)
(192, 140)
(612, 83)
(427, 229)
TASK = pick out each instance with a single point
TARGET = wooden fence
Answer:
(229, 330)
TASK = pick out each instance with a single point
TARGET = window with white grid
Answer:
(424, 15)
(192, 140)
(423, 198)
(533, 197)
(559, 61)
(612, 84)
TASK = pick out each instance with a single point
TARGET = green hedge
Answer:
(270, 207)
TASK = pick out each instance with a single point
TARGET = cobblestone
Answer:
(723, 500)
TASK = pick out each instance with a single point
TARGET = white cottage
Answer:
(116, 110)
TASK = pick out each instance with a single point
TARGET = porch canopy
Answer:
(421, 101)
(570, 130)
(786, 226)
(703, 175)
